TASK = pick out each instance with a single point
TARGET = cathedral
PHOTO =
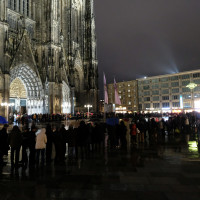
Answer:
(48, 56)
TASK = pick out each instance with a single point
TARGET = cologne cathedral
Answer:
(48, 57)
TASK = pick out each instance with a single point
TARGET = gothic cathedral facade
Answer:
(48, 57)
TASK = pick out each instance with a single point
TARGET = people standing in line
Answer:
(15, 141)
(40, 145)
(4, 147)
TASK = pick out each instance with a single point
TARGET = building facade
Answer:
(176, 93)
(48, 58)
(127, 91)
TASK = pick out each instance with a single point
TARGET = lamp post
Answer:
(7, 105)
(88, 106)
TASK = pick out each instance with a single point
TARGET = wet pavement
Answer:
(158, 171)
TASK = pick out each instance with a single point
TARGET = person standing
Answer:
(41, 140)
(32, 138)
(4, 147)
(15, 142)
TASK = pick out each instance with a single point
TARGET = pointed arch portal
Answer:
(26, 90)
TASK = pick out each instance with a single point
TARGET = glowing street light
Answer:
(88, 106)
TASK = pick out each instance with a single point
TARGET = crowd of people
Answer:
(48, 145)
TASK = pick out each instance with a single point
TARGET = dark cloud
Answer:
(147, 37)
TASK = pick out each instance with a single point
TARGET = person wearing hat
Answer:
(4, 147)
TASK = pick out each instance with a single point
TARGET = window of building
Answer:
(165, 105)
(196, 75)
(164, 79)
(174, 84)
(165, 98)
(174, 78)
(165, 85)
(140, 106)
(146, 87)
(155, 92)
(146, 105)
(146, 98)
(186, 96)
(129, 95)
(186, 76)
(175, 104)
(140, 99)
(146, 82)
(140, 93)
(197, 81)
(155, 86)
(129, 103)
(185, 83)
(185, 89)
(175, 90)
(196, 95)
(155, 80)
(139, 83)
(166, 91)
(175, 97)
(197, 89)
(187, 105)
(146, 93)
(156, 98)
(156, 105)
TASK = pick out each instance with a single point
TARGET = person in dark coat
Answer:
(122, 135)
(15, 141)
(49, 134)
(4, 147)
(57, 140)
(82, 137)
(71, 140)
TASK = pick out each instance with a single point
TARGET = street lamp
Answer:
(88, 106)
(7, 105)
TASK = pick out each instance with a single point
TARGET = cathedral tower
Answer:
(48, 61)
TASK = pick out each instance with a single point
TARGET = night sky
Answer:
(138, 38)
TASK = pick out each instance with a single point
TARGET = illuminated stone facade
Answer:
(48, 55)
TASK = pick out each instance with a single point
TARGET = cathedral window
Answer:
(19, 5)
(27, 5)
(15, 5)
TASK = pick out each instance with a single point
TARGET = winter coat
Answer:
(41, 139)
(15, 139)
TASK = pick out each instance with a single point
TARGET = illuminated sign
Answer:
(191, 86)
